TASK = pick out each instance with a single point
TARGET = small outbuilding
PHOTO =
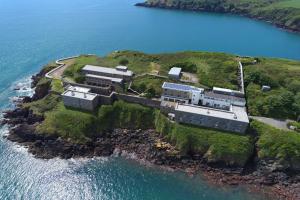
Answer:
(175, 73)
(265, 88)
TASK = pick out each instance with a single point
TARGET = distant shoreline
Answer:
(242, 14)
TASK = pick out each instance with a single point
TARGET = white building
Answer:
(222, 101)
(181, 93)
(175, 73)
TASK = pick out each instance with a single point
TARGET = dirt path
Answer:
(281, 124)
(58, 72)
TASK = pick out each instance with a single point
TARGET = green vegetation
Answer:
(148, 84)
(285, 13)
(124, 115)
(213, 69)
(67, 124)
(186, 67)
(41, 106)
(279, 146)
(82, 126)
(56, 86)
(283, 101)
(216, 146)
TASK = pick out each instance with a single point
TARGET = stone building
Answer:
(234, 120)
(120, 72)
(80, 99)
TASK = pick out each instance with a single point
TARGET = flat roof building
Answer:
(175, 73)
(234, 120)
(79, 89)
(118, 72)
(181, 93)
(79, 99)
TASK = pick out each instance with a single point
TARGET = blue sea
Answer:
(34, 32)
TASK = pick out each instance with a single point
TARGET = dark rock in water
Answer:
(26, 99)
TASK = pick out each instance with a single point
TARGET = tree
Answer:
(296, 105)
(124, 62)
(294, 86)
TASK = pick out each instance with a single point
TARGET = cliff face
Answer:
(277, 12)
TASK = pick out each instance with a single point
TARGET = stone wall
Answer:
(136, 99)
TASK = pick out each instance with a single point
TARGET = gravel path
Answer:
(281, 124)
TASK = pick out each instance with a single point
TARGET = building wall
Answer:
(216, 103)
(126, 78)
(176, 93)
(84, 104)
(210, 122)
(139, 100)
(97, 81)
(175, 77)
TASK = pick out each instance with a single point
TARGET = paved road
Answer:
(281, 124)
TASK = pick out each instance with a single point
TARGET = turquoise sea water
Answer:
(34, 32)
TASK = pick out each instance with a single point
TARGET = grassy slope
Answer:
(279, 146)
(282, 12)
(213, 69)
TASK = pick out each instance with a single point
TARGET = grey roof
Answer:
(80, 95)
(180, 87)
(116, 80)
(237, 113)
(175, 71)
(106, 70)
(223, 96)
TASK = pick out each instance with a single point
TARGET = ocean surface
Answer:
(34, 32)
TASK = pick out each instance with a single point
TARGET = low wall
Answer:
(139, 100)
(105, 100)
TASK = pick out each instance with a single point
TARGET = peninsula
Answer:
(193, 111)
(282, 13)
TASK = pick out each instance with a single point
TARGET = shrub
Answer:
(125, 115)
(123, 61)
(67, 123)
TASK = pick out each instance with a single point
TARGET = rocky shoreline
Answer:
(146, 145)
(162, 5)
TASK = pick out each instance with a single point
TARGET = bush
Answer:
(125, 115)
(124, 62)
(43, 105)
(66, 123)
